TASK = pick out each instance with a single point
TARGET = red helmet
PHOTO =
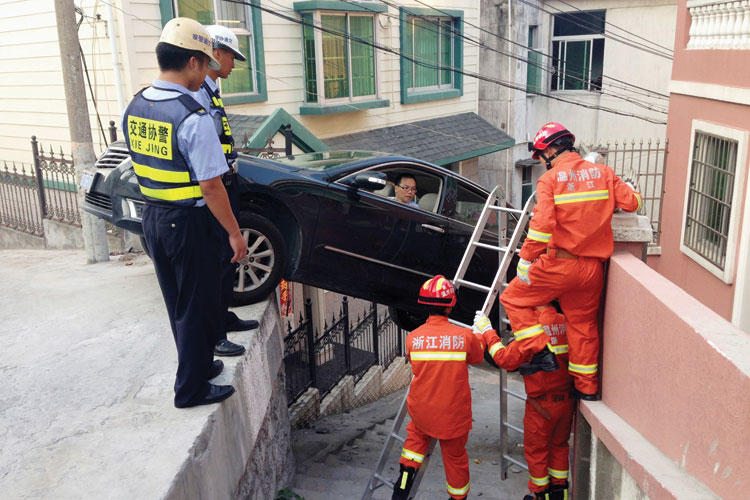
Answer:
(438, 291)
(547, 135)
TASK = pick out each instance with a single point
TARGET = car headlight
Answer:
(134, 208)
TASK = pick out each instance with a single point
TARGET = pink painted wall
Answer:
(726, 67)
(679, 374)
(675, 265)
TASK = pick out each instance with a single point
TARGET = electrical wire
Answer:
(407, 57)
(88, 78)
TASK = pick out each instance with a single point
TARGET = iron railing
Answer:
(344, 348)
(57, 182)
(20, 199)
(646, 162)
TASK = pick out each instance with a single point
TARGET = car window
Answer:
(469, 205)
(429, 186)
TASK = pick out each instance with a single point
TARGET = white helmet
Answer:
(225, 39)
(191, 35)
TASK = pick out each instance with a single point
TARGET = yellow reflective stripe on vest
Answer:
(539, 481)
(457, 491)
(561, 199)
(559, 349)
(227, 148)
(173, 194)
(217, 102)
(558, 474)
(411, 455)
(640, 202)
(529, 332)
(159, 175)
(496, 347)
(438, 356)
(582, 368)
(539, 236)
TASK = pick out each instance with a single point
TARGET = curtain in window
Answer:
(335, 72)
(446, 45)
(241, 79)
(425, 53)
(200, 10)
(308, 38)
(363, 56)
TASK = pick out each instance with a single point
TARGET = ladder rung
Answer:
(397, 437)
(513, 460)
(382, 480)
(513, 427)
(475, 286)
(490, 247)
(458, 323)
(522, 397)
(505, 209)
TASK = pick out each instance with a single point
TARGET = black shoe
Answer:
(402, 485)
(545, 360)
(227, 348)
(216, 369)
(241, 325)
(558, 491)
(585, 396)
(216, 394)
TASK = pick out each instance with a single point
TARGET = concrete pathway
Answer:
(88, 364)
(336, 455)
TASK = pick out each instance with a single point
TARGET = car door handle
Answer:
(433, 228)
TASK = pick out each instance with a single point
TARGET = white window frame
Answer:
(412, 88)
(319, 75)
(562, 61)
(239, 32)
(741, 136)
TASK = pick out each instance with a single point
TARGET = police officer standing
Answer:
(179, 162)
(226, 49)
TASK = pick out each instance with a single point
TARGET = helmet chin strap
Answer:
(548, 161)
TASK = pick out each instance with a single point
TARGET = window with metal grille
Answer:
(578, 51)
(709, 197)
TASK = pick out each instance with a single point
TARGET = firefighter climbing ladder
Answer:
(506, 247)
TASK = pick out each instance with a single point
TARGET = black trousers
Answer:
(183, 245)
(228, 269)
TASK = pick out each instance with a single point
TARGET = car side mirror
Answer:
(370, 181)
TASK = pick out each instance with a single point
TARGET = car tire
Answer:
(406, 319)
(260, 273)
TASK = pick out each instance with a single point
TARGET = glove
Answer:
(630, 185)
(481, 323)
(522, 271)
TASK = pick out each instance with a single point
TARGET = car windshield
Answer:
(326, 160)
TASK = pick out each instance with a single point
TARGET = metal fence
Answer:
(57, 182)
(20, 199)
(346, 347)
(645, 162)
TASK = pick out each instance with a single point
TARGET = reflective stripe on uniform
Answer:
(219, 103)
(173, 194)
(640, 201)
(227, 148)
(529, 332)
(159, 175)
(539, 236)
(496, 347)
(582, 368)
(558, 474)
(559, 349)
(561, 199)
(410, 455)
(539, 481)
(437, 356)
(522, 269)
(457, 491)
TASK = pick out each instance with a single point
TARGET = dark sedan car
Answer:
(330, 220)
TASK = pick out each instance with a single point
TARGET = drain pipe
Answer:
(115, 58)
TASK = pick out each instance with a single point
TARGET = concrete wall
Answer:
(675, 380)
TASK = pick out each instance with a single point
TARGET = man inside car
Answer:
(405, 190)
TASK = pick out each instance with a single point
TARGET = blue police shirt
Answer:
(196, 137)
(205, 100)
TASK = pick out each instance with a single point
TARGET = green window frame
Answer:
(339, 69)
(432, 54)
(535, 62)
(247, 82)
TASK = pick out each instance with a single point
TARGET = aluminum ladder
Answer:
(506, 247)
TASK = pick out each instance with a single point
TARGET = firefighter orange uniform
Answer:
(439, 400)
(570, 235)
(549, 408)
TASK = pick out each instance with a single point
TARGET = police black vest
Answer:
(151, 135)
(225, 137)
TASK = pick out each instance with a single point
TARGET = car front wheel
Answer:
(260, 272)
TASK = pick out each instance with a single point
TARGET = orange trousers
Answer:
(545, 441)
(577, 284)
(455, 458)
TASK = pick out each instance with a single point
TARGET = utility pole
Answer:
(94, 233)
